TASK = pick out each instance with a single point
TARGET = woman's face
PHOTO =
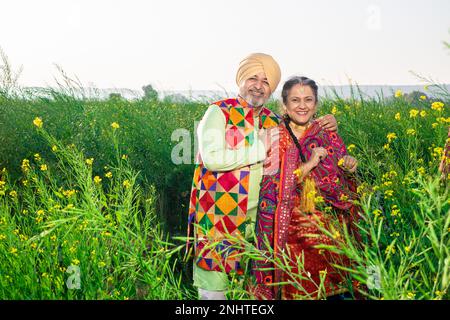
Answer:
(301, 104)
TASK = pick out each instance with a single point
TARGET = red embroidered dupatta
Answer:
(279, 201)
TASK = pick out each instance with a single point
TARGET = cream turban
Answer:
(256, 63)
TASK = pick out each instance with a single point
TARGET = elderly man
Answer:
(233, 143)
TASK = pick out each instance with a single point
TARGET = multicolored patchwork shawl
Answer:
(218, 203)
(280, 192)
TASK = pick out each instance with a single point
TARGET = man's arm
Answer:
(328, 122)
(213, 146)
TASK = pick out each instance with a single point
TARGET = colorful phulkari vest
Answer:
(218, 203)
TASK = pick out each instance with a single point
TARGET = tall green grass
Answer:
(67, 234)
(122, 232)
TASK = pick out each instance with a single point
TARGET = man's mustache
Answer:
(257, 90)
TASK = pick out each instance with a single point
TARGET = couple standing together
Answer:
(259, 174)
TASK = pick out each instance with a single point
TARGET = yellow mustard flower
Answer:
(389, 193)
(115, 125)
(413, 113)
(106, 234)
(390, 249)
(69, 193)
(410, 132)
(25, 165)
(393, 174)
(439, 106)
(319, 200)
(437, 152)
(298, 172)
(395, 234)
(127, 183)
(90, 161)
(44, 167)
(97, 179)
(334, 110)
(75, 262)
(108, 175)
(397, 116)
(38, 122)
(398, 93)
(391, 136)
(336, 235)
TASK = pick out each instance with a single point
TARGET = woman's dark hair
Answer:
(304, 81)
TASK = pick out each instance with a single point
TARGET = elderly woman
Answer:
(312, 168)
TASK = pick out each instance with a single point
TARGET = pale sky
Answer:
(198, 44)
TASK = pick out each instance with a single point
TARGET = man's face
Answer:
(255, 90)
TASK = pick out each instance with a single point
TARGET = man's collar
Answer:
(245, 104)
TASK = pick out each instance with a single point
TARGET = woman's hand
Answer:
(328, 122)
(317, 154)
(350, 164)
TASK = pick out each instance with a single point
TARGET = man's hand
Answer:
(328, 122)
